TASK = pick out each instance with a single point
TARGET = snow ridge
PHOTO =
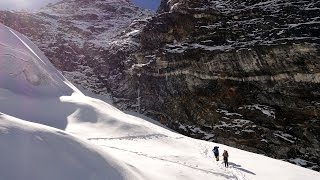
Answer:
(23, 71)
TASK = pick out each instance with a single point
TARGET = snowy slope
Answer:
(130, 147)
(28, 81)
(25, 70)
(162, 154)
(33, 151)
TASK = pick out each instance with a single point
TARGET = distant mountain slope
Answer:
(76, 35)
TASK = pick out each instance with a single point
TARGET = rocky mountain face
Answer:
(75, 35)
(243, 73)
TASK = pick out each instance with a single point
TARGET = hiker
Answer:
(225, 158)
(216, 152)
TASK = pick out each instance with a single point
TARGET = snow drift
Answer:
(32, 151)
(25, 70)
(29, 82)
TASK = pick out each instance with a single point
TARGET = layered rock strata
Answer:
(243, 73)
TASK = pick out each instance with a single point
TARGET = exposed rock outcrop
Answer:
(243, 73)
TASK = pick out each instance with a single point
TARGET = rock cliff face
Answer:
(243, 73)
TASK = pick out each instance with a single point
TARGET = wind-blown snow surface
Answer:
(25, 70)
(33, 151)
(130, 147)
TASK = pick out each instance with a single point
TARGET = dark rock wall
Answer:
(243, 73)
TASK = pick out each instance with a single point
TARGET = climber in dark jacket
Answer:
(216, 152)
(225, 158)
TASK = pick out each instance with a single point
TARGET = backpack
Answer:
(225, 154)
(216, 150)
